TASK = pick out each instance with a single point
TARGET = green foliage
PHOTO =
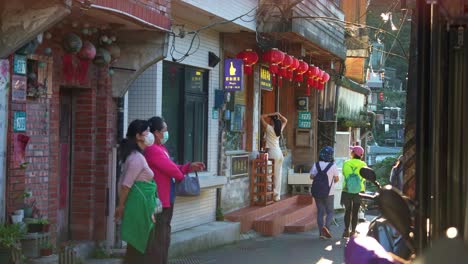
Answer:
(382, 171)
(100, 253)
(10, 235)
(42, 221)
(219, 214)
(47, 244)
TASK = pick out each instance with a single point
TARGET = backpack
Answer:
(353, 182)
(320, 187)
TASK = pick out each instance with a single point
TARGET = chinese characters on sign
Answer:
(265, 79)
(18, 84)
(19, 122)
(304, 120)
(233, 75)
(19, 64)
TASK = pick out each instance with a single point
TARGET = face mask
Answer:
(149, 139)
(165, 137)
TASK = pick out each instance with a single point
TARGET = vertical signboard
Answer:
(304, 120)
(265, 79)
(4, 84)
(233, 75)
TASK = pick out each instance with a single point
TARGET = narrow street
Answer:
(295, 248)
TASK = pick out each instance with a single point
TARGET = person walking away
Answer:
(274, 124)
(396, 174)
(165, 172)
(324, 175)
(137, 195)
(353, 184)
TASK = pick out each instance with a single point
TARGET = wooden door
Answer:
(63, 216)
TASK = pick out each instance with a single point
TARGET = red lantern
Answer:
(303, 68)
(250, 58)
(310, 74)
(292, 68)
(318, 78)
(285, 64)
(274, 57)
(325, 78)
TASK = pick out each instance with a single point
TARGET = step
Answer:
(274, 223)
(304, 224)
(246, 216)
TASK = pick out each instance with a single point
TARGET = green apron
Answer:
(136, 221)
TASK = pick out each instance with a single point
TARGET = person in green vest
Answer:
(353, 184)
(137, 195)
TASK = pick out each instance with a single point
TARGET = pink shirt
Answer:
(135, 168)
(164, 169)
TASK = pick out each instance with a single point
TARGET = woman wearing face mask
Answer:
(165, 170)
(137, 193)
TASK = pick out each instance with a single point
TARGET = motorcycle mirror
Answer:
(368, 174)
(396, 210)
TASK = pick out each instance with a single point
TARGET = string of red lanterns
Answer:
(284, 66)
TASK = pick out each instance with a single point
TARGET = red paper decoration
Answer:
(303, 68)
(285, 64)
(273, 57)
(250, 58)
(310, 74)
(324, 79)
(292, 68)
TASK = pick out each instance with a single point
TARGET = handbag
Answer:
(189, 186)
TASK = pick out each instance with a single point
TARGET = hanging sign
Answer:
(18, 83)
(19, 122)
(19, 64)
(304, 120)
(233, 75)
(265, 79)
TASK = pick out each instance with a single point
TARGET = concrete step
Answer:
(203, 237)
(304, 224)
(274, 224)
(246, 216)
(272, 219)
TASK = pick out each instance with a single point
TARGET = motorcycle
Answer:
(390, 239)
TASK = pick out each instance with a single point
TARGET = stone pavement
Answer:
(295, 248)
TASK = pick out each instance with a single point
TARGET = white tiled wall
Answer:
(209, 42)
(142, 95)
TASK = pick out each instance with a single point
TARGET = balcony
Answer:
(313, 23)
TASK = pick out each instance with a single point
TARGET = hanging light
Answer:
(324, 79)
(292, 68)
(303, 68)
(273, 57)
(318, 78)
(283, 71)
(310, 74)
(249, 57)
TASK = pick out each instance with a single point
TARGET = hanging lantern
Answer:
(86, 54)
(303, 68)
(72, 43)
(249, 57)
(114, 51)
(324, 79)
(310, 74)
(317, 79)
(273, 57)
(292, 68)
(102, 58)
(283, 71)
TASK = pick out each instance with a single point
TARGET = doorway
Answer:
(65, 155)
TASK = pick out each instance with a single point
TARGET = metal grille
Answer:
(186, 260)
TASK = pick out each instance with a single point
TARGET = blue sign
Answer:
(19, 121)
(233, 75)
(19, 64)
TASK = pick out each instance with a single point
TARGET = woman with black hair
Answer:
(137, 195)
(274, 124)
(165, 172)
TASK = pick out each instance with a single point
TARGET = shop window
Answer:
(185, 108)
(236, 124)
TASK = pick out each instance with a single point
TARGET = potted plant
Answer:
(47, 249)
(29, 203)
(45, 224)
(9, 241)
(34, 225)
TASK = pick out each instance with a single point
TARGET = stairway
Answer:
(291, 214)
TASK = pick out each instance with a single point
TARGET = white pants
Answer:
(277, 155)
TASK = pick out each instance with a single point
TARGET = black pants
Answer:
(352, 203)
(133, 256)
(162, 236)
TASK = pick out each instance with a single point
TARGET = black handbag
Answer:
(189, 186)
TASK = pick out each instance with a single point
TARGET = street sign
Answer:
(19, 64)
(19, 122)
(304, 120)
(233, 75)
